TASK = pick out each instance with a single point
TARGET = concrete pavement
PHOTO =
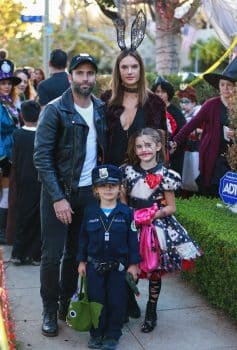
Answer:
(185, 319)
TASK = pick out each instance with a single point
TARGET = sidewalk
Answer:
(185, 320)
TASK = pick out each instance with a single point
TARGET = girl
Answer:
(175, 119)
(148, 182)
(188, 103)
(108, 246)
(9, 118)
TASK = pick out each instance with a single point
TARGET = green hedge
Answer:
(215, 230)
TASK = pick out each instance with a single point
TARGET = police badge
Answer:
(103, 173)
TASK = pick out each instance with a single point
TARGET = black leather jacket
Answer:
(60, 144)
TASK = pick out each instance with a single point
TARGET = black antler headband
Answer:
(138, 29)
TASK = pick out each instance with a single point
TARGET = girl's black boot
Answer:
(150, 318)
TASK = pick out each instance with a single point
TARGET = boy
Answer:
(27, 245)
(108, 247)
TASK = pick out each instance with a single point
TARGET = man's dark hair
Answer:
(58, 59)
(30, 110)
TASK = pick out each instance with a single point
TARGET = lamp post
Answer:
(46, 38)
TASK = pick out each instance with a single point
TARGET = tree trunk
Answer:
(167, 52)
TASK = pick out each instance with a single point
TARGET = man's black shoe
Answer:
(50, 324)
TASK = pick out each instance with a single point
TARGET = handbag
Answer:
(149, 249)
(83, 314)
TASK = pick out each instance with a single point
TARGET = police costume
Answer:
(109, 244)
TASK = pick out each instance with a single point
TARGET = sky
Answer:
(36, 8)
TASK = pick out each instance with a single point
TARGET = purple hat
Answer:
(6, 72)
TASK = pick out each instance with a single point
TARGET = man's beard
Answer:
(76, 88)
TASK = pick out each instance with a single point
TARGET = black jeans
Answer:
(60, 242)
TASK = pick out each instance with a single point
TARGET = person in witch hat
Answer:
(213, 118)
(8, 121)
(174, 117)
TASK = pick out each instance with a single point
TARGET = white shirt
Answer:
(91, 146)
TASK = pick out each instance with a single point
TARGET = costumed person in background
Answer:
(130, 105)
(25, 89)
(9, 118)
(27, 242)
(216, 135)
(147, 182)
(188, 103)
(37, 76)
(107, 248)
(55, 85)
(175, 119)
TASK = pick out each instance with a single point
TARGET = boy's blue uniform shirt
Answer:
(123, 240)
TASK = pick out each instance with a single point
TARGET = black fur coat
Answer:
(153, 109)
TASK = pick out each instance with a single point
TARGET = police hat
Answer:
(106, 174)
(82, 58)
(6, 72)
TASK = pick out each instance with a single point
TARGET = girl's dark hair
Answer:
(165, 86)
(132, 158)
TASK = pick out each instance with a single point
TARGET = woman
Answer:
(38, 76)
(213, 118)
(175, 118)
(24, 89)
(8, 121)
(188, 103)
(130, 105)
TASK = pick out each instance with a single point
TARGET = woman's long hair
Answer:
(116, 82)
(132, 158)
(29, 93)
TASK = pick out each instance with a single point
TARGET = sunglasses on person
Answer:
(184, 101)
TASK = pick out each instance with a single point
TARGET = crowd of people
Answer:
(79, 175)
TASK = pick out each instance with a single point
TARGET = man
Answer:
(70, 139)
(53, 87)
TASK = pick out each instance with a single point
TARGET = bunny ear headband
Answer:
(138, 29)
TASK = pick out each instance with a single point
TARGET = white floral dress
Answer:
(145, 187)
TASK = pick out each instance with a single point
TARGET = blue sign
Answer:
(228, 188)
(37, 19)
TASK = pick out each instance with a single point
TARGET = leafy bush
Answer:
(215, 230)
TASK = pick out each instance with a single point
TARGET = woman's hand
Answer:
(82, 268)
